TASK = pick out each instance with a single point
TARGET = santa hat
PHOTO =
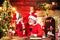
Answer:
(34, 14)
(33, 17)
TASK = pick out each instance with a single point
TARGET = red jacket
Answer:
(36, 29)
(19, 30)
(18, 27)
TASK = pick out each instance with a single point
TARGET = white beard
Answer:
(30, 23)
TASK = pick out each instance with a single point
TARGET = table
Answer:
(39, 38)
(14, 38)
(24, 38)
(35, 38)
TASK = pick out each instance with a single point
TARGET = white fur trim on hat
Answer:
(32, 17)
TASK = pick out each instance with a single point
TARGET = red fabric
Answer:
(34, 14)
(19, 30)
(13, 19)
(35, 30)
(18, 27)
(43, 27)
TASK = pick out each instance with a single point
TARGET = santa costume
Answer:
(20, 26)
(34, 28)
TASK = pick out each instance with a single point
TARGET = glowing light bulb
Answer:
(0, 8)
(14, 9)
(53, 3)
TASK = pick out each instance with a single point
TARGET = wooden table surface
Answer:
(24, 38)
(39, 38)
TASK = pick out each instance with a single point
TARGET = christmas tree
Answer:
(5, 18)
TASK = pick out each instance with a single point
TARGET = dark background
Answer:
(32, 2)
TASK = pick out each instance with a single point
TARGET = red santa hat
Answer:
(34, 14)
(33, 17)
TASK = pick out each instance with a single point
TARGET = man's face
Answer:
(31, 21)
(32, 9)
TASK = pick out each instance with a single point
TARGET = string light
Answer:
(0, 8)
(53, 3)
(14, 9)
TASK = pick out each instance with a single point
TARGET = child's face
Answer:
(51, 28)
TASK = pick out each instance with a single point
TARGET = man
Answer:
(34, 28)
(19, 24)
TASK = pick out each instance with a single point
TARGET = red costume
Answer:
(36, 29)
(19, 25)
(19, 29)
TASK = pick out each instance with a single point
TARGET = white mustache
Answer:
(30, 23)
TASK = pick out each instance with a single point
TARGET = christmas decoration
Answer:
(23, 27)
(46, 7)
(5, 19)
